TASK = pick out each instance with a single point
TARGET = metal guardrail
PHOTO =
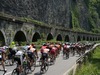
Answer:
(86, 53)
(79, 60)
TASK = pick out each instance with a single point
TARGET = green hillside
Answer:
(86, 15)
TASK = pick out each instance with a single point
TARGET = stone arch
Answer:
(84, 38)
(36, 37)
(93, 39)
(78, 38)
(59, 37)
(87, 38)
(96, 38)
(49, 37)
(74, 38)
(2, 38)
(67, 38)
(90, 38)
(20, 37)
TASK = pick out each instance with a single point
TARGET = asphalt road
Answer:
(59, 68)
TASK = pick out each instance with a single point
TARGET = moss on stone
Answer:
(75, 16)
(29, 20)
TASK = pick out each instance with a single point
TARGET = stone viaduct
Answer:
(16, 30)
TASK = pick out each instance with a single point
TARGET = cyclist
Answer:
(19, 56)
(2, 57)
(66, 49)
(32, 46)
(32, 54)
(11, 54)
(43, 47)
(58, 46)
(44, 53)
(53, 53)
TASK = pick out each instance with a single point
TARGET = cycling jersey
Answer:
(65, 46)
(31, 52)
(53, 50)
(45, 54)
(2, 50)
(19, 57)
(43, 47)
(45, 50)
(32, 49)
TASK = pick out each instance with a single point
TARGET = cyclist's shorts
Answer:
(10, 56)
(30, 55)
(16, 58)
(44, 56)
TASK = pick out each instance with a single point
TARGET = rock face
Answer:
(49, 11)
(58, 12)
(81, 13)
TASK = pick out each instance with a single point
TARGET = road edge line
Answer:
(66, 73)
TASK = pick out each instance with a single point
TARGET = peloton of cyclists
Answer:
(3, 57)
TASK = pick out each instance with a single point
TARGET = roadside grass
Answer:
(92, 67)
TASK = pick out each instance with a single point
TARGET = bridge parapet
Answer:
(10, 25)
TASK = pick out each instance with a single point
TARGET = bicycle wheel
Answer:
(15, 72)
(33, 67)
(26, 68)
(67, 55)
(53, 60)
(44, 68)
(39, 62)
(25, 72)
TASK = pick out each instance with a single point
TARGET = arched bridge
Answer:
(15, 30)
